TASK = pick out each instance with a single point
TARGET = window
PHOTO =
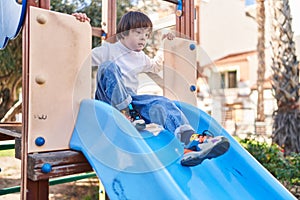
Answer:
(229, 79)
(232, 82)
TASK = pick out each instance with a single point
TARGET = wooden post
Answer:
(185, 22)
(25, 182)
(38, 190)
(109, 17)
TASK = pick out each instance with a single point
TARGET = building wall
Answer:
(225, 29)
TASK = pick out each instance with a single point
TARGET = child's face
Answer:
(136, 39)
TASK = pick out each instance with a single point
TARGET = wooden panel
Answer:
(180, 70)
(59, 76)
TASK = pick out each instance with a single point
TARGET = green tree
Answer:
(10, 74)
(65, 6)
(94, 12)
(286, 127)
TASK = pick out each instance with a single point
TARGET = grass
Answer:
(7, 153)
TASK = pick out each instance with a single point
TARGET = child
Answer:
(117, 82)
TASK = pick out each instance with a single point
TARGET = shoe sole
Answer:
(139, 124)
(196, 157)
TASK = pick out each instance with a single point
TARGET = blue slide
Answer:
(142, 165)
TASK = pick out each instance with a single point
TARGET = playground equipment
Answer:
(42, 146)
(50, 104)
(142, 162)
(146, 166)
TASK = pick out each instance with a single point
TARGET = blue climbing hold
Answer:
(46, 168)
(193, 88)
(192, 47)
(39, 141)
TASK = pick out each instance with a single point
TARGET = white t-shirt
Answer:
(131, 63)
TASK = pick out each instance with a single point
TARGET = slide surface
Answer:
(142, 165)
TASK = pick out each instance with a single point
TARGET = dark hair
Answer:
(132, 20)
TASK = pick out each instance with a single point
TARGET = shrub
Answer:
(285, 169)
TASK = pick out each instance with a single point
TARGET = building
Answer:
(228, 36)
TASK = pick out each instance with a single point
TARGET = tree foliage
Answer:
(66, 6)
(10, 74)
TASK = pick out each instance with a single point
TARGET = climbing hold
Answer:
(39, 141)
(42, 19)
(193, 88)
(46, 168)
(40, 80)
(192, 47)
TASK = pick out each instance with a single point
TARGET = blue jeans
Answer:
(152, 108)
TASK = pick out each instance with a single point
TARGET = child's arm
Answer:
(157, 61)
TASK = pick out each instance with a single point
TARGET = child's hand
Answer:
(169, 36)
(81, 17)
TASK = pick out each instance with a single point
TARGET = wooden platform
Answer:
(64, 162)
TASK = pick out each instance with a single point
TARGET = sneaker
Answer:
(134, 117)
(199, 150)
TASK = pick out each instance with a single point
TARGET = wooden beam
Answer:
(45, 4)
(10, 131)
(62, 163)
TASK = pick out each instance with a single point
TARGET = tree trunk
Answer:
(260, 18)
(285, 80)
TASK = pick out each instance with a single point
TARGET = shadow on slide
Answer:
(142, 165)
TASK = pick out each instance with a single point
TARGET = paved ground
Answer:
(10, 176)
